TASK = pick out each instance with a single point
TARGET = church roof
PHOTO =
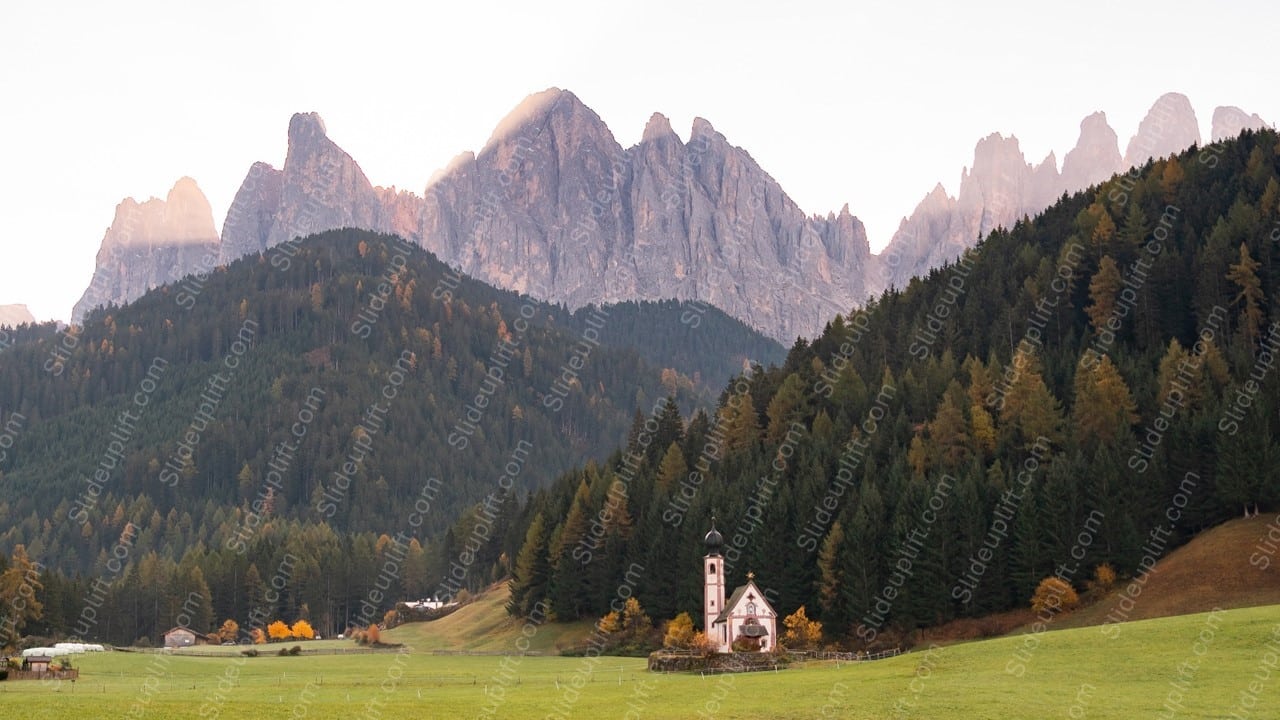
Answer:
(736, 597)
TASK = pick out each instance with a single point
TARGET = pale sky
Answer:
(863, 103)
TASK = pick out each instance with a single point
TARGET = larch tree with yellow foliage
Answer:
(278, 630)
(302, 630)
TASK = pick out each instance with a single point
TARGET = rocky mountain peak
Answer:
(1095, 157)
(322, 187)
(658, 128)
(535, 110)
(152, 243)
(1229, 121)
(306, 126)
(1169, 127)
(702, 128)
(184, 216)
(14, 315)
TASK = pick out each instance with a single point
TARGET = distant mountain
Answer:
(1002, 187)
(152, 243)
(1230, 121)
(13, 315)
(1169, 127)
(554, 206)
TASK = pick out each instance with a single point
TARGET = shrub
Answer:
(142, 642)
(278, 630)
(4, 675)
(296, 650)
(802, 633)
(1054, 595)
(251, 652)
(679, 633)
(1104, 578)
(302, 630)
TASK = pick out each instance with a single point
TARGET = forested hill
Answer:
(1091, 386)
(317, 389)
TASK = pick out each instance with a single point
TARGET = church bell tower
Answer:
(713, 589)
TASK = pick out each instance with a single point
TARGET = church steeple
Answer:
(713, 540)
(713, 589)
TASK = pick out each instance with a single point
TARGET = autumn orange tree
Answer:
(278, 630)
(302, 630)
(802, 633)
(628, 631)
(1104, 578)
(1054, 595)
(258, 637)
(229, 631)
(679, 632)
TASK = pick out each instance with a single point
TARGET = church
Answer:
(746, 618)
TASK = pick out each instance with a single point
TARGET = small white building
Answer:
(746, 615)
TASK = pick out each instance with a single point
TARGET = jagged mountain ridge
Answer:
(580, 220)
(554, 206)
(1003, 187)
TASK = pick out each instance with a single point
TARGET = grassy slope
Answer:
(484, 626)
(1212, 570)
(1129, 677)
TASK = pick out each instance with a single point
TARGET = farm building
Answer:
(186, 637)
(37, 663)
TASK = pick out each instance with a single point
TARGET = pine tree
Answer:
(20, 589)
(672, 470)
(1245, 275)
(1104, 409)
(529, 579)
(831, 577)
(1103, 290)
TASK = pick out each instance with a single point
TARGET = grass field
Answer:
(485, 626)
(1070, 673)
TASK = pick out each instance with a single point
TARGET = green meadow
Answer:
(1203, 664)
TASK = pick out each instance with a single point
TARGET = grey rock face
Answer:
(555, 207)
(1001, 188)
(1229, 121)
(1095, 157)
(1169, 127)
(152, 243)
(322, 187)
(247, 228)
